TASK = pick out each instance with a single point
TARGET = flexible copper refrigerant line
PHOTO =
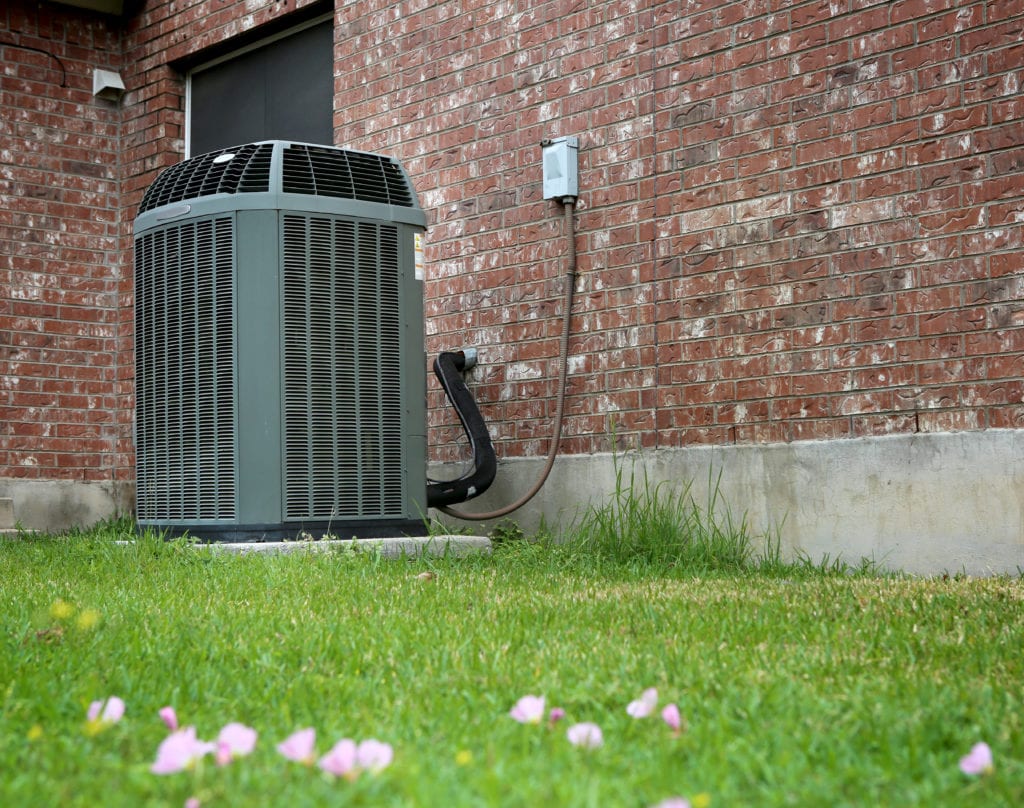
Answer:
(569, 208)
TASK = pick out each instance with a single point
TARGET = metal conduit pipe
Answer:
(569, 209)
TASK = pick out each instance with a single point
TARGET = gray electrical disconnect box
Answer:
(560, 169)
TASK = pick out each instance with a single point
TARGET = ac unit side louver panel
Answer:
(342, 376)
(279, 346)
(184, 323)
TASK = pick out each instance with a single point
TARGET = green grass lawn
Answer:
(798, 686)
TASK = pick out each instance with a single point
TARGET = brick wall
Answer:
(61, 410)
(798, 220)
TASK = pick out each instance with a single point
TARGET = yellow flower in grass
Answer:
(702, 800)
(35, 733)
(61, 610)
(463, 757)
(87, 620)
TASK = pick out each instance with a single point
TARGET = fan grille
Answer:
(305, 169)
(350, 175)
(248, 171)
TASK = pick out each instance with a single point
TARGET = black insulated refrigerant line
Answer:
(472, 422)
(448, 368)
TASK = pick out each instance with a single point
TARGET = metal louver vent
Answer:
(247, 171)
(350, 175)
(184, 375)
(342, 370)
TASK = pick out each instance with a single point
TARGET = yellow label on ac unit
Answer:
(418, 261)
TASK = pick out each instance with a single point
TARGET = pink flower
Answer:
(556, 715)
(978, 760)
(169, 717)
(179, 751)
(671, 716)
(644, 706)
(348, 760)
(586, 735)
(299, 746)
(528, 710)
(109, 711)
(341, 760)
(374, 755)
(235, 740)
(192, 802)
(673, 802)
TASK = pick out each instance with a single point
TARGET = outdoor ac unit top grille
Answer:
(246, 171)
(350, 175)
(302, 169)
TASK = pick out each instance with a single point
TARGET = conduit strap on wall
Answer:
(448, 368)
(569, 209)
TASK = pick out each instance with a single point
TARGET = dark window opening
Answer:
(278, 90)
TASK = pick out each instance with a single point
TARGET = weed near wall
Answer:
(662, 525)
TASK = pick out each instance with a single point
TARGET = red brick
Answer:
(761, 433)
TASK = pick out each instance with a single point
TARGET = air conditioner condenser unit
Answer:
(279, 350)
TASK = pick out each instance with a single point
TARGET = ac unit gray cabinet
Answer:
(279, 358)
